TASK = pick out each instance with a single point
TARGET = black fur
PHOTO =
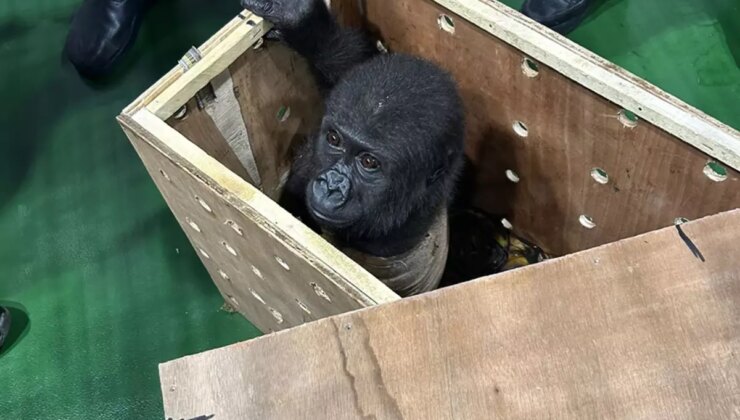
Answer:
(399, 109)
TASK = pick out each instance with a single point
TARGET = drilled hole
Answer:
(446, 23)
(599, 175)
(235, 227)
(628, 118)
(530, 68)
(506, 223)
(223, 275)
(512, 176)
(283, 113)
(250, 22)
(520, 129)
(203, 204)
(303, 306)
(192, 224)
(587, 221)
(277, 315)
(164, 175)
(680, 220)
(232, 300)
(320, 292)
(181, 113)
(257, 272)
(229, 248)
(282, 263)
(714, 171)
(257, 296)
(204, 253)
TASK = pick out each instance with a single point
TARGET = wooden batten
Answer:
(641, 328)
(547, 124)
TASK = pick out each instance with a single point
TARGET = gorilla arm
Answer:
(308, 27)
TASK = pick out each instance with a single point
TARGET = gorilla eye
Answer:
(369, 162)
(333, 138)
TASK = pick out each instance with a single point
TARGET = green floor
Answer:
(91, 254)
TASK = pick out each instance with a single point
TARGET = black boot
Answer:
(4, 324)
(559, 15)
(101, 32)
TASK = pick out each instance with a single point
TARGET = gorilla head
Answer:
(389, 147)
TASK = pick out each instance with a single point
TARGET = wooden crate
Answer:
(598, 156)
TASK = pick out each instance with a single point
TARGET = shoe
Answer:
(562, 16)
(4, 324)
(101, 32)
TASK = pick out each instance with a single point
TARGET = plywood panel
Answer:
(653, 176)
(280, 104)
(268, 266)
(641, 328)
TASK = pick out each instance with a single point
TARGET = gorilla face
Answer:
(390, 144)
(353, 178)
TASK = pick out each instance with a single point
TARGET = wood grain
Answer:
(635, 329)
(654, 177)
(273, 270)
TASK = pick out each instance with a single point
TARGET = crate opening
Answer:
(552, 167)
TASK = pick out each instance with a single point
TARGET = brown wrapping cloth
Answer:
(416, 271)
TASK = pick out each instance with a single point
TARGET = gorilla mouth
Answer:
(327, 220)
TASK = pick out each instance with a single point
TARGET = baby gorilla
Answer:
(379, 174)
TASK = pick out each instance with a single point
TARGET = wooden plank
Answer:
(640, 328)
(198, 127)
(243, 32)
(280, 104)
(654, 177)
(603, 77)
(270, 267)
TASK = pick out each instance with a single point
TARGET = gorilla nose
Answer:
(337, 182)
(331, 190)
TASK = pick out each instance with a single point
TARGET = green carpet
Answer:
(102, 282)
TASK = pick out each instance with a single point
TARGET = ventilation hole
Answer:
(224, 275)
(181, 113)
(303, 306)
(446, 24)
(232, 300)
(520, 128)
(320, 292)
(204, 254)
(237, 228)
(257, 272)
(283, 113)
(512, 176)
(229, 248)
(277, 315)
(282, 263)
(506, 223)
(680, 220)
(260, 42)
(599, 175)
(193, 224)
(530, 67)
(714, 171)
(203, 204)
(628, 118)
(257, 296)
(164, 175)
(381, 47)
(587, 221)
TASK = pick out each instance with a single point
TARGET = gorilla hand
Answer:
(284, 14)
